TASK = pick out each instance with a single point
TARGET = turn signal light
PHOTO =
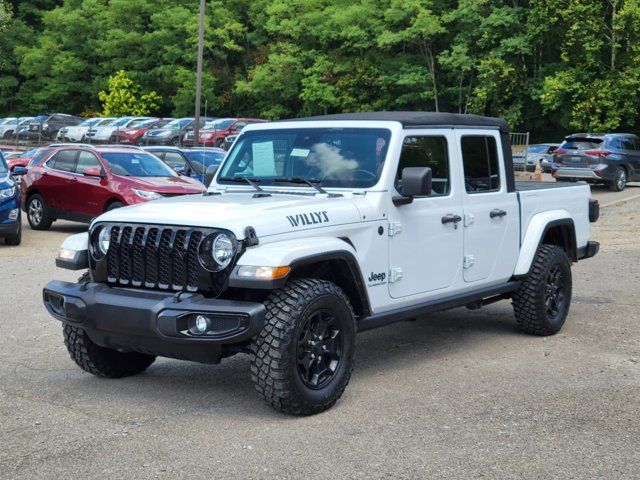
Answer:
(266, 273)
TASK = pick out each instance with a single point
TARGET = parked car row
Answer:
(129, 130)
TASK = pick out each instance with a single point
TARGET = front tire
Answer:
(542, 302)
(15, 240)
(38, 213)
(303, 358)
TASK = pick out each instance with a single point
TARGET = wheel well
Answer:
(344, 273)
(562, 234)
(110, 201)
(31, 194)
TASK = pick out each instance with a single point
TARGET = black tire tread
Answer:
(270, 360)
(101, 361)
(46, 222)
(525, 300)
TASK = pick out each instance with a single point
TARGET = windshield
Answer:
(143, 123)
(337, 157)
(119, 122)
(29, 153)
(219, 124)
(90, 122)
(137, 164)
(175, 124)
(40, 118)
(201, 160)
(39, 155)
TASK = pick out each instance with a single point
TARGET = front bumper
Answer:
(9, 226)
(156, 323)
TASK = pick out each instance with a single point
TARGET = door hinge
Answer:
(395, 275)
(468, 219)
(468, 261)
(394, 228)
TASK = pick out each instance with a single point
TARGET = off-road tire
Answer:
(15, 240)
(619, 180)
(529, 305)
(45, 220)
(101, 361)
(274, 363)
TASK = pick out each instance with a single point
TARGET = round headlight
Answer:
(217, 251)
(104, 238)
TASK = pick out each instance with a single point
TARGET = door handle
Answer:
(451, 218)
(497, 213)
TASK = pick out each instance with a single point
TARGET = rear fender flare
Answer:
(536, 231)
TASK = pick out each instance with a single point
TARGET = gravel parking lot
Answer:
(461, 394)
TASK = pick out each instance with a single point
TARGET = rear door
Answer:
(425, 251)
(59, 179)
(491, 213)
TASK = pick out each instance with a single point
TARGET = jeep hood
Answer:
(277, 214)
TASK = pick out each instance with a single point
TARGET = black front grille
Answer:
(157, 257)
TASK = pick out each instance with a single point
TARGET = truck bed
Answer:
(527, 185)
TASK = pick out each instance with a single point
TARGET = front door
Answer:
(91, 192)
(425, 243)
(491, 212)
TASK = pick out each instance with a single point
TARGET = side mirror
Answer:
(416, 182)
(208, 176)
(18, 171)
(92, 172)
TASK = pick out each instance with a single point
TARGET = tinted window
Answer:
(219, 124)
(174, 160)
(581, 144)
(130, 164)
(626, 143)
(86, 161)
(3, 165)
(64, 160)
(480, 163)
(426, 152)
(39, 156)
(201, 160)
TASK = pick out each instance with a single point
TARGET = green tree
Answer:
(124, 97)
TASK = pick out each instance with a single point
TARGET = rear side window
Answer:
(626, 143)
(64, 160)
(582, 144)
(426, 152)
(480, 163)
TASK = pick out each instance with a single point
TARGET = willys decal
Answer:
(310, 218)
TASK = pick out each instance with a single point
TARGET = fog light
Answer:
(13, 214)
(201, 324)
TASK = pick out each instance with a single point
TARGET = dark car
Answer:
(214, 133)
(172, 133)
(80, 183)
(612, 159)
(10, 221)
(192, 162)
(46, 127)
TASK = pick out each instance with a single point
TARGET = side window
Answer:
(627, 143)
(174, 160)
(426, 152)
(480, 163)
(86, 161)
(64, 160)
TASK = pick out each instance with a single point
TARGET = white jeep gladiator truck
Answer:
(313, 230)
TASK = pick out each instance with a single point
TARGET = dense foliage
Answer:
(545, 65)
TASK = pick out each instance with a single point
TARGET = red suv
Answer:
(214, 132)
(80, 183)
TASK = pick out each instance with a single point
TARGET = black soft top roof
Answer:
(419, 119)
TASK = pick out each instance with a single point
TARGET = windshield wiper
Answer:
(250, 181)
(313, 182)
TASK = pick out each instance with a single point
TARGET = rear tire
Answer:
(619, 180)
(303, 358)
(38, 213)
(542, 302)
